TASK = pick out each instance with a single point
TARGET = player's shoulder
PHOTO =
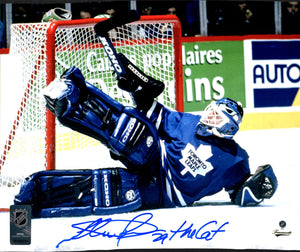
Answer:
(190, 116)
(241, 151)
(188, 120)
(179, 116)
(226, 145)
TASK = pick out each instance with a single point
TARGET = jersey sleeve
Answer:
(237, 174)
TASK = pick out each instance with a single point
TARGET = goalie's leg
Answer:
(72, 102)
(59, 193)
(143, 87)
(126, 131)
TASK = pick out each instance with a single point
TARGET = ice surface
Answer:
(243, 227)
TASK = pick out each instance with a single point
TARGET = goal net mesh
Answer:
(148, 44)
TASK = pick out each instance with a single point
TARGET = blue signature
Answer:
(141, 225)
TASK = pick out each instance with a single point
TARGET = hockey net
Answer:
(35, 140)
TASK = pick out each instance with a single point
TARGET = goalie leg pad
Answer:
(127, 132)
(57, 193)
(129, 135)
(116, 191)
(136, 139)
(80, 192)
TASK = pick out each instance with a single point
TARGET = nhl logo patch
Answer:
(20, 217)
(20, 224)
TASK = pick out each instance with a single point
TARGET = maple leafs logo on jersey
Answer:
(195, 161)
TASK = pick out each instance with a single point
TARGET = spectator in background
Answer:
(166, 29)
(216, 22)
(21, 14)
(110, 11)
(146, 10)
(2, 43)
(171, 10)
(241, 19)
(192, 18)
(290, 18)
(85, 14)
(147, 31)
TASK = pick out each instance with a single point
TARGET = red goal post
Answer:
(163, 20)
(34, 139)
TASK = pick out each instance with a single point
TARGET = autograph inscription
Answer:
(140, 225)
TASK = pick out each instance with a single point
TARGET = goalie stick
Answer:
(102, 28)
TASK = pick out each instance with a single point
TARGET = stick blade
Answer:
(103, 27)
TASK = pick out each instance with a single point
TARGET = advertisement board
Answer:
(211, 71)
(262, 73)
(272, 73)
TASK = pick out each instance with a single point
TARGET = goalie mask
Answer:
(221, 118)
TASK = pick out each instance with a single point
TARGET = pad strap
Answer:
(248, 198)
(115, 191)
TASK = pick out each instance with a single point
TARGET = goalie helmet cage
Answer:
(35, 140)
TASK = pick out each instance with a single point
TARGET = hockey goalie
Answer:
(172, 159)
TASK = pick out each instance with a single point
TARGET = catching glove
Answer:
(262, 185)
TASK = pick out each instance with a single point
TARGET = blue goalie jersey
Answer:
(194, 166)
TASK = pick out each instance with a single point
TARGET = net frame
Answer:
(50, 62)
(48, 53)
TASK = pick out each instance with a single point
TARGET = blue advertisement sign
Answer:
(272, 70)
